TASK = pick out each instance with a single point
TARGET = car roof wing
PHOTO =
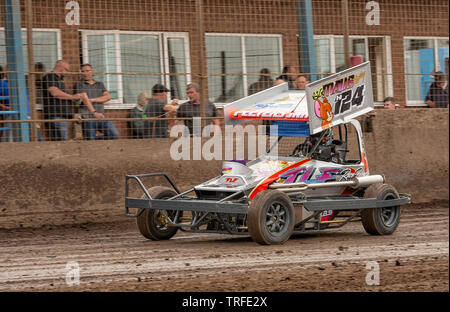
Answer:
(339, 98)
(348, 94)
(275, 103)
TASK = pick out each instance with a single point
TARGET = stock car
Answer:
(317, 180)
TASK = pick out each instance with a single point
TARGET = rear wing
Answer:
(275, 103)
(339, 98)
(325, 103)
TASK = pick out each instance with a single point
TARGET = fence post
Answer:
(31, 68)
(15, 60)
(201, 59)
(306, 40)
(346, 33)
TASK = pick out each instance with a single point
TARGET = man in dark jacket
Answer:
(57, 101)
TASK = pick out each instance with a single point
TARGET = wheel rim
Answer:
(160, 221)
(276, 219)
(389, 214)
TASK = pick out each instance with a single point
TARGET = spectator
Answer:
(94, 95)
(300, 82)
(437, 96)
(263, 82)
(4, 91)
(4, 104)
(157, 107)
(57, 101)
(191, 108)
(288, 75)
(140, 129)
(389, 103)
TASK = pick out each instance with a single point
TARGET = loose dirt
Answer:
(115, 257)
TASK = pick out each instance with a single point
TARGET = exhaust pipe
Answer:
(355, 182)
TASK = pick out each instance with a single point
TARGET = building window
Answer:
(129, 63)
(234, 63)
(423, 56)
(330, 59)
(46, 47)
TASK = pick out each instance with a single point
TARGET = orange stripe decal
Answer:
(264, 184)
(364, 161)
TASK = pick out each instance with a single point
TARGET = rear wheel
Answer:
(381, 221)
(151, 223)
(271, 218)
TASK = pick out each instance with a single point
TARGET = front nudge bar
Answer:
(139, 202)
(191, 204)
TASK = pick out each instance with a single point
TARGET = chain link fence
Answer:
(110, 69)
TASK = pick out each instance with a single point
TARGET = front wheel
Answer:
(151, 223)
(381, 221)
(271, 217)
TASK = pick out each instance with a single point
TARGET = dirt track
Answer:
(115, 257)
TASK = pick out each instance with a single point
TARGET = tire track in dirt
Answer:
(116, 254)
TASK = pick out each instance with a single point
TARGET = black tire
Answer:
(271, 218)
(381, 221)
(151, 222)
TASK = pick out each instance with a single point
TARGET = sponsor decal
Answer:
(226, 170)
(269, 115)
(322, 175)
(327, 215)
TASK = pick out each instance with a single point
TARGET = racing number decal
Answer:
(358, 97)
(345, 101)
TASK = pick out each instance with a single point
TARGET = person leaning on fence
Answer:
(191, 108)
(437, 96)
(93, 96)
(57, 101)
(157, 107)
(140, 129)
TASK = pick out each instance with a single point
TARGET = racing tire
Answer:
(271, 218)
(151, 222)
(381, 221)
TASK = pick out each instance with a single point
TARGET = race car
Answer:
(317, 180)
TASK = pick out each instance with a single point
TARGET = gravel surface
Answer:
(115, 257)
